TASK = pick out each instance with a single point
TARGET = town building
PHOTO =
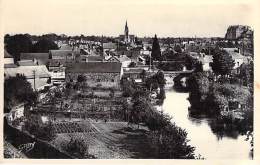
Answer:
(38, 75)
(238, 31)
(97, 74)
(38, 58)
(126, 37)
(124, 60)
(63, 54)
(206, 61)
(8, 59)
(238, 58)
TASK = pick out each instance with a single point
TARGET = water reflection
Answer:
(213, 139)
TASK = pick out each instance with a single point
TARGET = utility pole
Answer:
(102, 49)
(150, 61)
(34, 80)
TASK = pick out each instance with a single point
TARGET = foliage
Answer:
(77, 146)
(18, 90)
(81, 78)
(205, 93)
(128, 86)
(41, 131)
(44, 45)
(167, 139)
(246, 74)
(155, 81)
(20, 43)
(177, 48)
(156, 50)
(222, 63)
(132, 65)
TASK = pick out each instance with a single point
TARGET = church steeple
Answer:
(126, 32)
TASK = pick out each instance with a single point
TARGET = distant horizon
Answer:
(145, 18)
(86, 35)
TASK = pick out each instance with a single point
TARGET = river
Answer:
(208, 144)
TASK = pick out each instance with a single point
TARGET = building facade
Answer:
(96, 74)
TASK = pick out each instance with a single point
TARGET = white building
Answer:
(38, 75)
(8, 59)
(238, 58)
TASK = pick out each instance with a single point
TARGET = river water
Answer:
(208, 144)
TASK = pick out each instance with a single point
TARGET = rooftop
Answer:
(26, 63)
(41, 57)
(109, 45)
(40, 71)
(95, 67)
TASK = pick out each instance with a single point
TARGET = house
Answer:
(109, 46)
(206, 61)
(133, 73)
(38, 75)
(63, 54)
(94, 58)
(57, 68)
(8, 59)
(38, 58)
(26, 63)
(16, 112)
(124, 60)
(238, 58)
(97, 74)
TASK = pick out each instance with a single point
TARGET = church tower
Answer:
(126, 33)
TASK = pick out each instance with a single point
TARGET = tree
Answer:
(17, 90)
(17, 44)
(77, 146)
(177, 48)
(222, 63)
(81, 78)
(44, 45)
(247, 74)
(156, 50)
(143, 75)
(132, 65)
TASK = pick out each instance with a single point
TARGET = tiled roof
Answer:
(109, 45)
(235, 55)
(58, 62)
(27, 71)
(42, 58)
(26, 63)
(94, 67)
(124, 58)
(10, 66)
(95, 58)
(63, 53)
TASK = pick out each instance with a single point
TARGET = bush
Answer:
(77, 147)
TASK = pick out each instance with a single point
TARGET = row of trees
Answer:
(22, 43)
(166, 139)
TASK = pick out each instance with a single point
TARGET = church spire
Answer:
(126, 32)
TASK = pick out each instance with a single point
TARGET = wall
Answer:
(93, 79)
(8, 60)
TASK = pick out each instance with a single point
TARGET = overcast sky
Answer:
(103, 17)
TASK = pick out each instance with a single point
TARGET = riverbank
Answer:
(224, 144)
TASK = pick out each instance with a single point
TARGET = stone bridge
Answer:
(175, 77)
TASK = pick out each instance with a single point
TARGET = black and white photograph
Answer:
(127, 79)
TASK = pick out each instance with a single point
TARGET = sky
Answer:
(145, 17)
